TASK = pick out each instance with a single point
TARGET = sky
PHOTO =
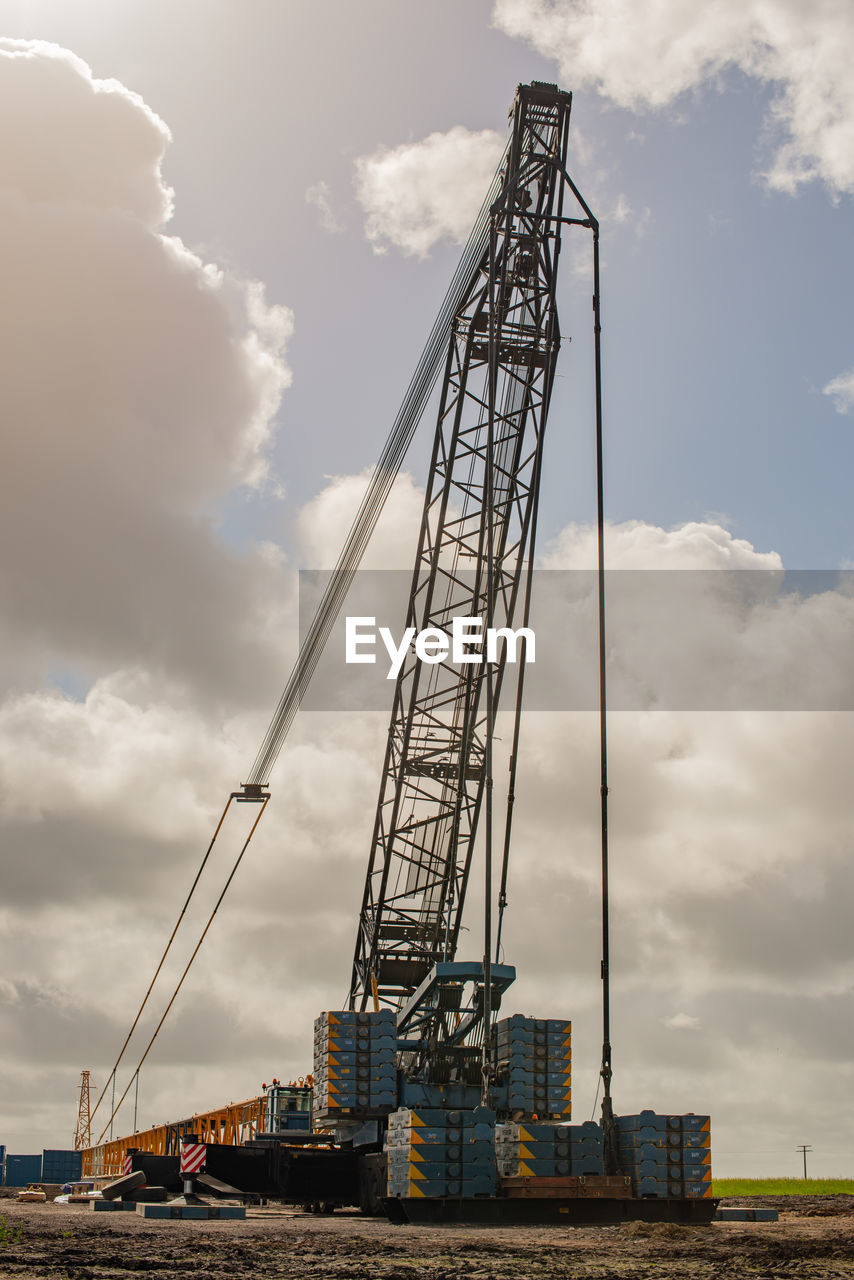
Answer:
(225, 231)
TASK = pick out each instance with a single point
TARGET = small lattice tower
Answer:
(83, 1132)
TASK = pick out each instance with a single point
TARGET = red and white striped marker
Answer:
(192, 1158)
(127, 1164)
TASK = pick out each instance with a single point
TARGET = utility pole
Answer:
(804, 1148)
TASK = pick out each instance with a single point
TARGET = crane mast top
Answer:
(474, 561)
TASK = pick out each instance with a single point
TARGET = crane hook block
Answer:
(251, 792)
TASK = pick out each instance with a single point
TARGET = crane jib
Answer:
(480, 510)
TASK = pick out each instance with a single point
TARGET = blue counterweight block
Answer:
(339, 1044)
(523, 1078)
(696, 1141)
(513, 1048)
(689, 1123)
(641, 1139)
(535, 1150)
(533, 1131)
(425, 1172)
(380, 1044)
(516, 1061)
(353, 1042)
(698, 1190)
(516, 1021)
(576, 1150)
(436, 1117)
(450, 1188)
(424, 1135)
(329, 1072)
(355, 1018)
(541, 1168)
(374, 1058)
(654, 1188)
(644, 1120)
(694, 1178)
(465, 1151)
(653, 1169)
(588, 1130)
(672, 1187)
(424, 1117)
(699, 1157)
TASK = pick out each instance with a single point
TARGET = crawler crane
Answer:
(427, 1104)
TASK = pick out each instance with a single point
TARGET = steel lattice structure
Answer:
(474, 555)
(83, 1132)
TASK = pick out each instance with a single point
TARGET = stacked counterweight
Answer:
(354, 1069)
(533, 1058)
(535, 1150)
(667, 1157)
(434, 1152)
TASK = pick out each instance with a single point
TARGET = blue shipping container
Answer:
(22, 1170)
(61, 1166)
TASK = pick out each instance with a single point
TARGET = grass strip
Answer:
(783, 1186)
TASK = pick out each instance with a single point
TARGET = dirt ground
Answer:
(814, 1238)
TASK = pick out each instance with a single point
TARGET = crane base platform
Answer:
(503, 1211)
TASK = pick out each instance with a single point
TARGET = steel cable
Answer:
(385, 473)
(166, 951)
(225, 888)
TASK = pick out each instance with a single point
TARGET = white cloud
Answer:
(138, 385)
(682, 1022)
(419, 193)
(842, 391)
(644, 55)
(744, 637)
(319, 196)
(636, 545)
(78, 139)
(325, 522)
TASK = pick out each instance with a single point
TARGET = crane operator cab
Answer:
(287, 1107)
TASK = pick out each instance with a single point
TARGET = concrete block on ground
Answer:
(195, 1212)
(149, 1195)
(120, 1187)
